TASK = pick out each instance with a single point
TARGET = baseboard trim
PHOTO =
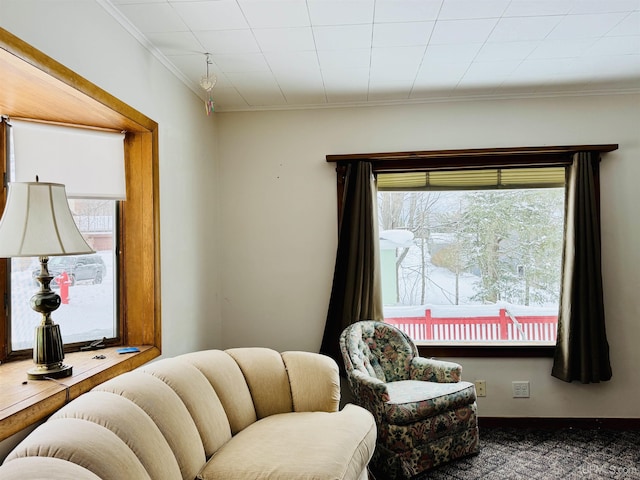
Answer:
(553, 423)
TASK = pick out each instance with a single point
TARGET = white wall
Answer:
(278, 201)
(85, 38)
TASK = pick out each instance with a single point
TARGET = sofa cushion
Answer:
(227, 379)
(414, 400)
(45, 468)
(304, 446)
(85, 443)
(167, 411)
(131, 424)
(199, 397)
(267, 379)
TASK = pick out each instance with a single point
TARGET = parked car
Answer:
(79, 268)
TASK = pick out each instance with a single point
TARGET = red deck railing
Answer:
(487, 328)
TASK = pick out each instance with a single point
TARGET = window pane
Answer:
(86, 283)
(479, 267)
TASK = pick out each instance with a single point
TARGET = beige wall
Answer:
(278, 203)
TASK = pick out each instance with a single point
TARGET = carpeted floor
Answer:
(511, 453)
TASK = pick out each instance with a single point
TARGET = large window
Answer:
(472, 257)
(471, 243)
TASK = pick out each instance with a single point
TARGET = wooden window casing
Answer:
(34, 86)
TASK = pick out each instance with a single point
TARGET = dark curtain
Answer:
(582, 350)
(356, 292)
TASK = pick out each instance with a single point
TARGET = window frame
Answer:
(64, 97)
(476, 159)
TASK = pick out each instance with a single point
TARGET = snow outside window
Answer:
(465, 265)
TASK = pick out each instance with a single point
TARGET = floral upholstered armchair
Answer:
(424, 413)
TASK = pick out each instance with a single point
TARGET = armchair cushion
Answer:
(412, 400)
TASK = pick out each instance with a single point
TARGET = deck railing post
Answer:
(503, 325)
(428, 323)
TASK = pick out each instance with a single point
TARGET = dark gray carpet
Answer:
(567, 454)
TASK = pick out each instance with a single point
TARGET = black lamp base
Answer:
(48, 347)
(44, 372)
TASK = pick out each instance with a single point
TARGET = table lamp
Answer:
(37, 222)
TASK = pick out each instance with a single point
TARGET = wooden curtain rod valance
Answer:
(479, 153)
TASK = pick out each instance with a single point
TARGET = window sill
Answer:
(488, 351)
(25, 402)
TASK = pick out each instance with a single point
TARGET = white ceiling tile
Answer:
(273, 14)
(491, 52)
(608, 6)
(524, 28)
(610, 46)
(462, 31)
(228, 41)
(532, 8)
(172, 43)
(211, 15)
(346, 85)
(228, 99)
(490, 70)
(630, 25)
(344, 59)
(242, 62)
(451, 53)
(401, 34)
(154, 17)
(300, 52)
(394, 11)
(561, 48)
(258, 88)
(539, 70)
(400, 60)
(464, 9)
(446, 73)
(586, 26)
(293, 62)
(284, 39)
(344, 12)
(337, 37)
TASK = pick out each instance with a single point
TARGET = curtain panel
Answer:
(356, 292)
(582, 350)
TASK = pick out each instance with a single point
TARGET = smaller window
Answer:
(87, 284)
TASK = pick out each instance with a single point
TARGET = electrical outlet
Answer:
(520, 389)
(481, 388)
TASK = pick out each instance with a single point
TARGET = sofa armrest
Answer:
(431, 370)
(314, 380)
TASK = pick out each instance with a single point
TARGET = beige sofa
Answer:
(247, 413)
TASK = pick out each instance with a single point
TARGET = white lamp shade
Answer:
(37, 222)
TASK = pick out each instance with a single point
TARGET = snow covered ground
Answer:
(89, 315)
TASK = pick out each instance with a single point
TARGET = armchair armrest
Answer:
(431, 370)
(369, 392)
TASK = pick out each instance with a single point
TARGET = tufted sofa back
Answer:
(164, 420)
(378, 349)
